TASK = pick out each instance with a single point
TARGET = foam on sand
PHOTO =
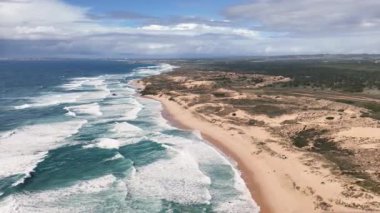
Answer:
(23, 149)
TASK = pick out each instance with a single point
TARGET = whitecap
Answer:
(51, 100)
(74, 84)
(104, 143)
(8, 134)
(70, 113)
(116, 157)
(154, 70)
(178, 179)
(86, 109)
(152, 111)
(206, 154)
(133, 112)
(199, 149)
(125, 127)
(22, 150)
(24, 106)
(84, 196)
(80, 82)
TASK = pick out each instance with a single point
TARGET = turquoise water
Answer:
(75, 137)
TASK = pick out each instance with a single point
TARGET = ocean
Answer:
(76, 137)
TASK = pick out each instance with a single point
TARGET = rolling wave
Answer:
(127, 158)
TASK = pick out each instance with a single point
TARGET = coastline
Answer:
(272, 181)
(247, 175)
(175, 118)
(279, 177)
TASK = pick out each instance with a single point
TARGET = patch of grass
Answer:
(268, 107)
(341, 158)
(373, 107)
(345, 101)
(220, 94)
(269, 110)
(289, 122)
(209, 109)
(253, 122)
(150, 90)
(306, 137)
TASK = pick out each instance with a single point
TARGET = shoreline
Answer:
(280, 176)
(272, 181)
(248, 176)
(253, 187)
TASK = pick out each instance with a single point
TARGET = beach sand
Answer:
(279, 176)
(269, 180)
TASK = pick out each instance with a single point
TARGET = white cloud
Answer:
(53, 19)
(39, 12)
(316, 16)
(55, 28)
(193, 29)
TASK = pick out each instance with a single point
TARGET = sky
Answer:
(196, 28)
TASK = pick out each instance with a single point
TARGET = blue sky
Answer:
(174, 28)
(208, 8)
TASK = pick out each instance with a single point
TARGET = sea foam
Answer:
(177, 179)
(24, 106)
(26, 146)
(104, 143)
(97, 92)
(80, 82)
(206, 155)
(84, 196)
(155, 70)
(86, 109)
(125, 128)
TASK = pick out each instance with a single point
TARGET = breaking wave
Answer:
(111, 151)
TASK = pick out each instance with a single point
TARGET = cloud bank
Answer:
(53, 28)
(311, 16)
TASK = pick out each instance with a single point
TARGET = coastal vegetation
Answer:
(341, 73)
(307, 105)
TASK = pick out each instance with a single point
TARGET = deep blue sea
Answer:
(76, 137)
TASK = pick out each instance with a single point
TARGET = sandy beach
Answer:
(254, 172)
(217, 138)
(279, 177)
(271, 181)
